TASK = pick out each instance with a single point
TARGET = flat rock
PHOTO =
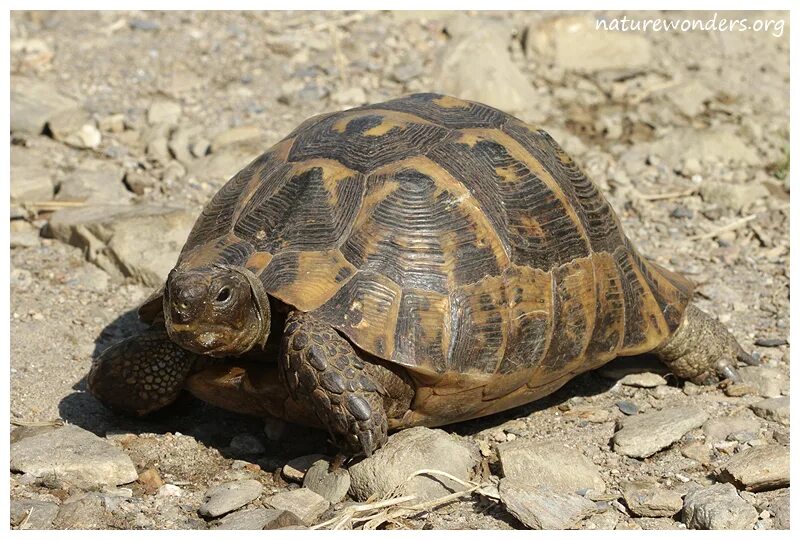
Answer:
(296, 468)
(478, 67)
(573, 42)
(221, 165)
(768, 382)
(303, 503)
(733, 196)
(718, 429)
(94, 181)
(82, 511)
(690, 98)
(643, 380)
(643, 435)
(650, 499)
(164, 112)
(333, 485)
(229, 496)
(70, 127)
(718, 506)
(779, 508)
(407, 452)
(141, 241)
(774, 409)
(75, 455)
(549, 465)
(235, 135)
(36, 515)
(759, 468)
(31, 179)
(256, 519)
(33, 103)
(540, 508)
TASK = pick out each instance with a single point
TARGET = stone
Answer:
(257, 519)
(303, 503)
(113, 123)
(718, 429)
(32, 514)
(770, 342)
(626, 407)
(732, 196)
(150, 480)
(295, 469)
(643, 380)
(779, 508)
(407, 452)
(650, 499)
(33, 103)
(229, 496)
(353, 97)
(221, 165)
(82, 511)
(631, 365)
(164, 112)
(773, 409)
(645, 434)
(549, 465)
(67, 126)
(94, 181)
(718, 506)
(31, 180)
(768, 382)
(142, 241)
(690, 97)
(573, 42)
(246, 443)
(169, 490)
(139, 182)
(759, 468)
(235, 135)
(477, 66)
(333, 485)
(698, 451)
(75, 455)
(539, 508)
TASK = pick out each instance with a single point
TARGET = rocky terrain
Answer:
(124, 124)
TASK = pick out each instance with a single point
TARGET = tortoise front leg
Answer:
(140, 374)
(702, 350)
(321, 369)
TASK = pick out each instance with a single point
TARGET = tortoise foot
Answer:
(140, 374)
(320, 368)
(703, 351)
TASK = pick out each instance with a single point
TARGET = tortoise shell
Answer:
(445, 236)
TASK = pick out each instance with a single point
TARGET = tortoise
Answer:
(421, 261)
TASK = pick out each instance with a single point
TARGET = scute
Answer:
(446, 236)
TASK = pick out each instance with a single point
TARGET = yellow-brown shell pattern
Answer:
(446, 236)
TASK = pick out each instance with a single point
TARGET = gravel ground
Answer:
(125, 124)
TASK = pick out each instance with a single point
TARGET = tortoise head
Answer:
(216, 310)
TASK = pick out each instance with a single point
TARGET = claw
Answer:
(727, 371)
(748, 359)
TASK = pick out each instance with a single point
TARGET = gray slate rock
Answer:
(31, 179)
(94, 181)
(141, 241)
(649, 499)
(540, 508)
(333, 485)
(760, 468)
(229, 496)
(719, 429)
(256, 519)
(36, 515)
(33, 103)
(774, 409)
(718, 506)
(75, 455)
(303, 503)
(549, 465)
(645, 434)
(407, 452)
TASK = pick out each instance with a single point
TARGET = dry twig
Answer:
(725, 228)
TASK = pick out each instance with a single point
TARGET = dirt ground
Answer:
(686, 133)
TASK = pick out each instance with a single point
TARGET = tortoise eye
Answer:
(223, 295)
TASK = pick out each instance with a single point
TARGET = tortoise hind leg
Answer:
(348, 395)
(702, 350)
(141, 374)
